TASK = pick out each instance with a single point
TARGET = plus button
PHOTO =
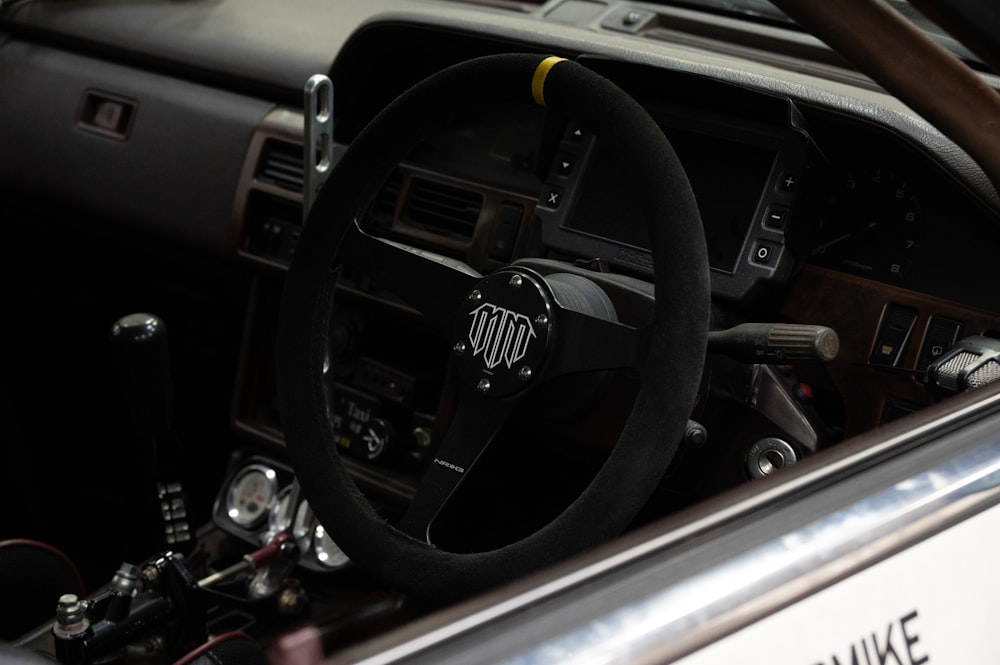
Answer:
(789, 182)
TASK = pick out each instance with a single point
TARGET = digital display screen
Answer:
(728, 179)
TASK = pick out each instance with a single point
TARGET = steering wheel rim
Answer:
(675, 340)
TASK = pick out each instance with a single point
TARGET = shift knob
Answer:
(140, 348)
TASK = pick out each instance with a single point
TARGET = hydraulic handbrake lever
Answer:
(160, 605)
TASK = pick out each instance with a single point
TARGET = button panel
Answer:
(748, 253)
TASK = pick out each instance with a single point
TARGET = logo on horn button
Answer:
(500, 334)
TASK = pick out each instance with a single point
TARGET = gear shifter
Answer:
(140, 342)
(140, 346)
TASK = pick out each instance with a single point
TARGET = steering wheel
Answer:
(513, 330)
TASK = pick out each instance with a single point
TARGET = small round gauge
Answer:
(871, 227)
(251, 494)
(326, 550)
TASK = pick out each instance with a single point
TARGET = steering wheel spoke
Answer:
(476, 423)
(590, 344)
(430, 283)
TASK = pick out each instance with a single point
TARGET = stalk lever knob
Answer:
(775, 343)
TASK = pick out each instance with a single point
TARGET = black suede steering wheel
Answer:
(551, 332)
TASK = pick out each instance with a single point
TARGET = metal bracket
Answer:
(317, 139)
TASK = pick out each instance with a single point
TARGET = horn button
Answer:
(503, 332)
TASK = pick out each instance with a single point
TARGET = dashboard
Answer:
(804, 222)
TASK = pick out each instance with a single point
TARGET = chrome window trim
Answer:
(694, 612)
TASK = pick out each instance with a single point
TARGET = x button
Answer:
(552, 198)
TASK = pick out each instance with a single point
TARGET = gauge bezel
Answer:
(232, 510)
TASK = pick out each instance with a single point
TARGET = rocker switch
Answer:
(897, 325)
(942, 333)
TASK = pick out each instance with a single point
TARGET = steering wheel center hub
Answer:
(502, 332)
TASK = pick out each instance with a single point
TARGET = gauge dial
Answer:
(871, 227)
(251, 494)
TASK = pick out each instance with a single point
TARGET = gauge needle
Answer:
(830, 243)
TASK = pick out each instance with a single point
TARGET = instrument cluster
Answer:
(872, 226)
(885, 211)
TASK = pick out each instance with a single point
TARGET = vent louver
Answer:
(383, 208)
(281, 165)
(443, 209)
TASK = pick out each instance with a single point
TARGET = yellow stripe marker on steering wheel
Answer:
(538, 80)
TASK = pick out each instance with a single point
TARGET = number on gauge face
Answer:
(251, 494)
(871, 227)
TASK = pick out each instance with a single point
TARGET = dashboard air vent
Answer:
(281, 165)
(384, 206)
(443, 209)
